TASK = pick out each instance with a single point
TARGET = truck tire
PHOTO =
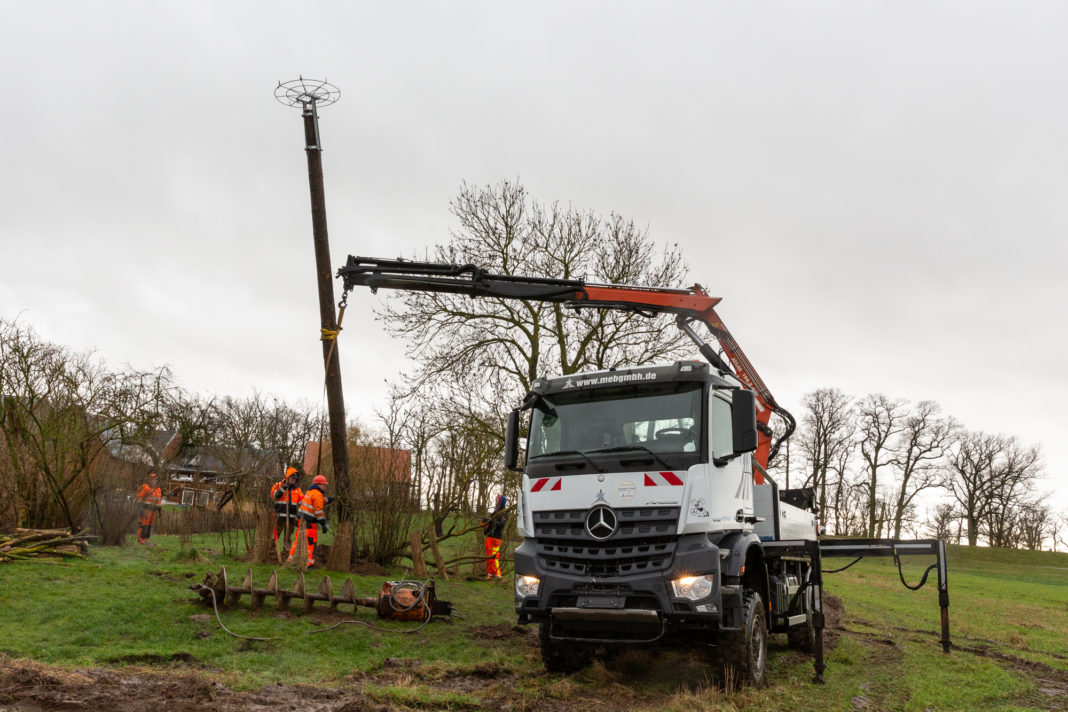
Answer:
(560, 655)
(746, 650)
(803, 637)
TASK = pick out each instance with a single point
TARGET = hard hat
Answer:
(319, 480)
(291, 471)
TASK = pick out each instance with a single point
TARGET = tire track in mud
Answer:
(882, 653)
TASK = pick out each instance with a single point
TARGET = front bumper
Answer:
(632, 608)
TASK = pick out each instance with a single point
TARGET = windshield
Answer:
(661, 418)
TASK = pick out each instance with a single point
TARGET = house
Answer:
(203, 476)
(377, 473)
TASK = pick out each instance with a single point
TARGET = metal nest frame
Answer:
(301, 92)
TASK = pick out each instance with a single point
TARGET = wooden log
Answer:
(418, 564)
(56, 532)
(220, 586)
(437, 554)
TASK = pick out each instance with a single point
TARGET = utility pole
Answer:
(309, 95)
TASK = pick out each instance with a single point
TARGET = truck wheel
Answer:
(803, 637)
(746, 650)
(562, 656)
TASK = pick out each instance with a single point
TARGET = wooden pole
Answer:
(331, 356)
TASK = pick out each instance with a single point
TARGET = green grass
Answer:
(133, 604)
(132, 607)
(1015, 601)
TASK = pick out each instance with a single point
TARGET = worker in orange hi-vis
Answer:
(286, 497)
(493, 528)
(313, 515)
(151, 498)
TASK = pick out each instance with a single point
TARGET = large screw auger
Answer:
(398, 600)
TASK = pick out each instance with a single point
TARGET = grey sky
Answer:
(877, 190)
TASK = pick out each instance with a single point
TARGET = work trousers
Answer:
(493, 556)
(144, 529)
(280, 527)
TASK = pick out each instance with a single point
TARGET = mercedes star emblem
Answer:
(601, 522)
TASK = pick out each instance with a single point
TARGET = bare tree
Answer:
(971, 477)
(920, 451)
(1034, 525)
(1014, 476)
(879, 421)
(1058, 532)
(843, 499)
(827, 427)
(59, 412)
(987, 475)
(503, 229)
(944, 522)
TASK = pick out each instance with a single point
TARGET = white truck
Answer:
(642, 523)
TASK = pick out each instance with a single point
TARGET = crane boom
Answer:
(691, 304)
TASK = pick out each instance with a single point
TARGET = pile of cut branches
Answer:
(30, 543)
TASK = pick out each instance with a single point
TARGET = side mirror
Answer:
(743, 421)
(511, 441)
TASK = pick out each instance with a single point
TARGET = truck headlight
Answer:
(693, 587)
(526, 585)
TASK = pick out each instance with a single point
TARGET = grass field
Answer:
(70, 629)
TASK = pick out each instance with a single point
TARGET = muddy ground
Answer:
(145, 686)
(29, 687)
(155, 685)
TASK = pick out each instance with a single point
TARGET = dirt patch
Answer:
(152, 659)
(502, 631)
(26, 686)
(367, 568)
(833, 612)
(29, 686)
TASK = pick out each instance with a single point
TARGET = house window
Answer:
(202, 500)
(187, 497)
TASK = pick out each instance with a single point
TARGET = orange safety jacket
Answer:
(311, 507)
(281, 506)
(149, 495)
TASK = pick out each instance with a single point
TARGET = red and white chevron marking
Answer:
(662, 479)
(540, 484)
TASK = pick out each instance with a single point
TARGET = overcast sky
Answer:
(877, 190)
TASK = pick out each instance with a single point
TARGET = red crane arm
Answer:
(692, 304)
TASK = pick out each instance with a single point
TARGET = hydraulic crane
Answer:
(645, 513)
(688, 305)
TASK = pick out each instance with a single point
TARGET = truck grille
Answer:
(643, 542)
